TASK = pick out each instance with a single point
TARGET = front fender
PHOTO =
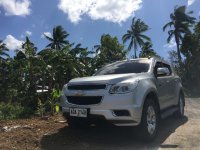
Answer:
(145, 87)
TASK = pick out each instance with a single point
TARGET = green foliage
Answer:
(40, 108)
(147, 51)
(58, 39)
(180, 21)
(108, 51)
(14, 111)
(3, 50)
(54, 100)
(189, 69)
(50, 105)
(136, 35)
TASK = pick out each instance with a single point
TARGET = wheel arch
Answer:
(152, 95)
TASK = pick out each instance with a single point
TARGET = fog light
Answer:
(121, 113)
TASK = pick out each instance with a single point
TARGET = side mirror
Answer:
(162, 71)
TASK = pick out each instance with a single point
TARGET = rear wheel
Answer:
(149, 122)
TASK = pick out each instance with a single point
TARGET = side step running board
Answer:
(168, 112)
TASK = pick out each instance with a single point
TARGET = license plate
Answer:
(78, 112)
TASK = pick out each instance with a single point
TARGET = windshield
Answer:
(125, 67)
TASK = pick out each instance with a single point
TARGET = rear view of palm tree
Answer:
(136, 35)
(3, 50)
(180, 22)
(58, 39)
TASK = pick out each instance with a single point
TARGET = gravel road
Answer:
(173, 134)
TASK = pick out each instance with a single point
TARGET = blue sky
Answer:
(86, 20)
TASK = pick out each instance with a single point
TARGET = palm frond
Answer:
(145, 37)
(169, 24)
(126, 37)
(49, 38)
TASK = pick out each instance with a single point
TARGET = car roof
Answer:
(149, 58)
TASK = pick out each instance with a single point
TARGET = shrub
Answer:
(40, 108)
(13, 111)
(53, 101)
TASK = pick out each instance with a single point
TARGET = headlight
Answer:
(64, 87)
(122, 88)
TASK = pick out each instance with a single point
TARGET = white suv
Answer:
(126, 93)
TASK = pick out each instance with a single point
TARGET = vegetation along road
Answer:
(52, 133)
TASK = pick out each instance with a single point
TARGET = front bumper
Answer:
(110, 104)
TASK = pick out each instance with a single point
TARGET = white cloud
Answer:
(47, 34)
(190, 2)
(28, 33)
(116, 11)
(16, 7)
(12, 43)
(171, 44)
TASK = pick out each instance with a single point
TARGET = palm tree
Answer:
(147, 50)
(58, 39)
(3, 50)
(29, 48)
(135, 35)
(180, 21)
(109, 50)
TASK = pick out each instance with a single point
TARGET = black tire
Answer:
(145, 127)
(181, 106)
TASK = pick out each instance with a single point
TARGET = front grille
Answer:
(84, 100)
(87, 87)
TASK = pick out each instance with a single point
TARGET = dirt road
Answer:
(53, 135)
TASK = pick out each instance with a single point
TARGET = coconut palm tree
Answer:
(136, 35)
(58, 39)
(147, 50)
(180, 22)
(3, 50)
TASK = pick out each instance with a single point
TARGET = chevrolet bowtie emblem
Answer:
(79, 93)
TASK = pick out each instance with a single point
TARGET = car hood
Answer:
(108, 79)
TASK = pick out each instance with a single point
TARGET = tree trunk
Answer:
(135, 56)
(178, 50)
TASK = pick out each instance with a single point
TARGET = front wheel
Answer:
(149, 122)
(181, 106)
